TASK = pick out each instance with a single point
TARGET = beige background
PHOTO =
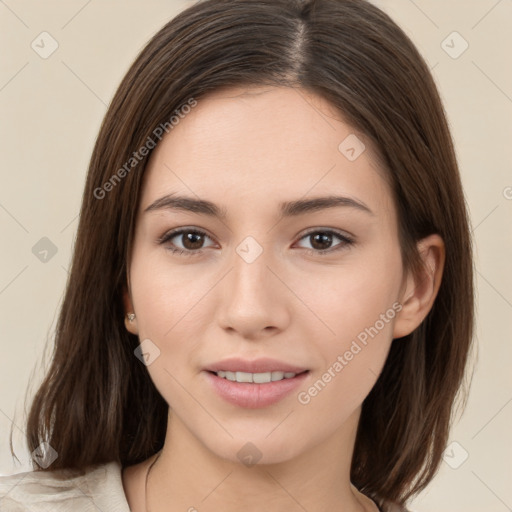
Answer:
(51, 110)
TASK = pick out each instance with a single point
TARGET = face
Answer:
(312, 287)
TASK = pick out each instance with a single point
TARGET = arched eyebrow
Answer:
(286, 209)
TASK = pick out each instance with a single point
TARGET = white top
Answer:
(100, 488)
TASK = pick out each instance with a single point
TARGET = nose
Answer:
(254, 302)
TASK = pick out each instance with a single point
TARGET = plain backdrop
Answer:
(51, 109)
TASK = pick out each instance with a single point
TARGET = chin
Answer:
(259, 450)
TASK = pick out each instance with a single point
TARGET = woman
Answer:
(271, 295)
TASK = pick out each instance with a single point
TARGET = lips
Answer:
(257, 378)
(247, 384)
(262, 365)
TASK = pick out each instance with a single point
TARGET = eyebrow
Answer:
(287, 209)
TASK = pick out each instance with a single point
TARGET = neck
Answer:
(189, 476)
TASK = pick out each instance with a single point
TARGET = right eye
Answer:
(191, 241)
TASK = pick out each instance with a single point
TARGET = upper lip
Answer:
(261, 365)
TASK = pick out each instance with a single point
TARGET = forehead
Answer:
(258, 146)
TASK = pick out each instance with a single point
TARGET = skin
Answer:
(247, 150)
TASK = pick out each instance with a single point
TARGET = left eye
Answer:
(192, 241)
(319, 239)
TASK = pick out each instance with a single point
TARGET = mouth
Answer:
(240, 368)
(254, 383)
(256, 378)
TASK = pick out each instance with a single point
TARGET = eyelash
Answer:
(346, 241)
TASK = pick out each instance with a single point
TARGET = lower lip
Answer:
(251, 395)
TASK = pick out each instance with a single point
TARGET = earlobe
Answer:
(420, 290)
(130, 320)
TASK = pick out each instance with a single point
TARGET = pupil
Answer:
(194, 239)
(322, 238)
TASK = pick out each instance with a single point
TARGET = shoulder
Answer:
(97, 488)
(393, 507)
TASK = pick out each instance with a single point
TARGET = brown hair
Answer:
(97, 402)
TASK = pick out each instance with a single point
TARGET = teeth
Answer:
(243, 377)
(258, 378)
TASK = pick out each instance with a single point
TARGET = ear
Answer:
(131, 326)
(419, 291)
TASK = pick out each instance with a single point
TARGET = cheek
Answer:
(353, 296)
(351, 363)
(357, 306)
(169, 302)
(163, 294)
(164, 302)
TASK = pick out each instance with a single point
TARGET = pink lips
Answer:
(253, 395)
(261, 365)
